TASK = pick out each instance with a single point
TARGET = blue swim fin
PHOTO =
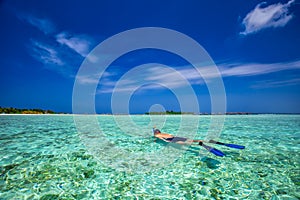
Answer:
(212, 150)
(235, 146)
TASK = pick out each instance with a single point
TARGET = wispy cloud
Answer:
(59, 51)
(254, 69)
(79, 43)
(44, 25)
(152, 76)
(276, 83)
(259, 69)
(275, 15)
(173, 78)
(55, 58)
(46, 54)
(94, 78)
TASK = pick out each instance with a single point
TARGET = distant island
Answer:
(25, 111)
(11, 110)
(169, 113)
(191, 113)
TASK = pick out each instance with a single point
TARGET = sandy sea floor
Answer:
(45, 157)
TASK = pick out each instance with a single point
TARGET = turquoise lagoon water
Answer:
(44, 157)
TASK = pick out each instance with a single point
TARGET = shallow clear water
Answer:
(44, 157)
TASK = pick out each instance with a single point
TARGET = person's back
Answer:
(161, 135)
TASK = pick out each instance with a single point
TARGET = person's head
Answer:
(156, 131)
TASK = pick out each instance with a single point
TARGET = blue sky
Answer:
(255, 45)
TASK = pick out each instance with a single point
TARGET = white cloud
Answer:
(79, 43)
(169, 78)
(276, 83)
(159, 76)
(61, 52)
(257, 69)
(254, 69)
(55, 57)
(145, 75)
(275, 15)
(46, 54)
(44, 25)
(94, 78)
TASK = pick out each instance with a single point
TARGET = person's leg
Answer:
(187, 141)
(197, 141)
